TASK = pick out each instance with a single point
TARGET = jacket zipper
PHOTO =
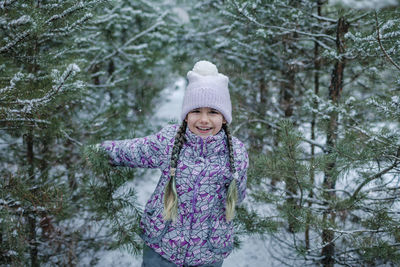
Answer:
(202, 154)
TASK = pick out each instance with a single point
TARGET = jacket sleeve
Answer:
(242, 164)
(146, 152)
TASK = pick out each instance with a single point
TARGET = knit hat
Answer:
(207, 88)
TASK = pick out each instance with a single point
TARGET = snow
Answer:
(13, 82)
(20, 21)
(65, 12)
(170, 109)
(17, 39)
(254, 251)
(74, 68)
(182, 14)
(395, 101)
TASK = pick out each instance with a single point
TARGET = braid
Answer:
(230, 147)
(170, 194)
(232, 194)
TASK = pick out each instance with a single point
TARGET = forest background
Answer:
(316, 97)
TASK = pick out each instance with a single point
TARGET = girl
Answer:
(188, 219)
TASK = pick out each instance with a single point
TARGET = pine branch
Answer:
(276, 127)
(120, 50)
(282, 30)
(349, 232)
(373, 177)
(71, 139)
(17, 77)
(68, 29)
(6, 120)
(30, 104)
(381, 45)
(14, 42)
(270, 124)
(6, 3)
(158, 23)
(359, 17)
(65, 13)
(213, 31)
(333, 21)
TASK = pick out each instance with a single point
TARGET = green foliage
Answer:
(73, 72)
(280, 57)
(78, 72)
(111, 203)
(283, 167)
(254, 223)
(22, 200)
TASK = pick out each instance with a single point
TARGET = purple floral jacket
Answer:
(200, 235)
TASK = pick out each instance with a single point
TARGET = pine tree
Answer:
(331, 208)
(128, 62)
(39, 80)
(129, 50)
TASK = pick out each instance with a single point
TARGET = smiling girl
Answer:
(188, 219)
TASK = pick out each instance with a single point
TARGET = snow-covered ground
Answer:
(253, 252)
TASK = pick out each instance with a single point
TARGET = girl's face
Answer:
(205, 121)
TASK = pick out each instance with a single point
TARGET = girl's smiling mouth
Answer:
(203, 130)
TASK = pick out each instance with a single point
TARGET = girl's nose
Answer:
(204, 117)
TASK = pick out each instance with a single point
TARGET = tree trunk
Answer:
(287, 92)
(329, 183)
(31, 216)
(256, 142)
(263, 96)
(286, 103)
(317, 68)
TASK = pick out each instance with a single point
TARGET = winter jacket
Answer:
(201, 234)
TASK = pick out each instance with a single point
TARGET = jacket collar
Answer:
(206, 146)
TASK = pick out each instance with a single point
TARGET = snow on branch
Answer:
(324, 18)
(158, 23)
(66, 12)
(70, 28)
(380, 43)
(373, 177)
(276, 127)
(16, 78)
(71, 139)
(283, 30)
(365, 4)
(6, 3)
(127, 46)
(18, 39)
(29, 104)
(20, 21)
(36, 121)
(214, 31)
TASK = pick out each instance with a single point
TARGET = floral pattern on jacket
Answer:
(200, 235)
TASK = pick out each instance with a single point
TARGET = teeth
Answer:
(204, 129)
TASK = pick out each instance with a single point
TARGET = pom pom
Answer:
(205, 68)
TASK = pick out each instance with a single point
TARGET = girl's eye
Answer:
(214, 112)
(195, 111)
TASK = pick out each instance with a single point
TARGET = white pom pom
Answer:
(205, 68)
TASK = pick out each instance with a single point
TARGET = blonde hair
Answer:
(170, 194)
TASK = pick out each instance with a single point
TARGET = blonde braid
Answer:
(170, 194)
(232, 194)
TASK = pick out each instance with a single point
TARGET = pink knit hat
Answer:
(207, 88)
